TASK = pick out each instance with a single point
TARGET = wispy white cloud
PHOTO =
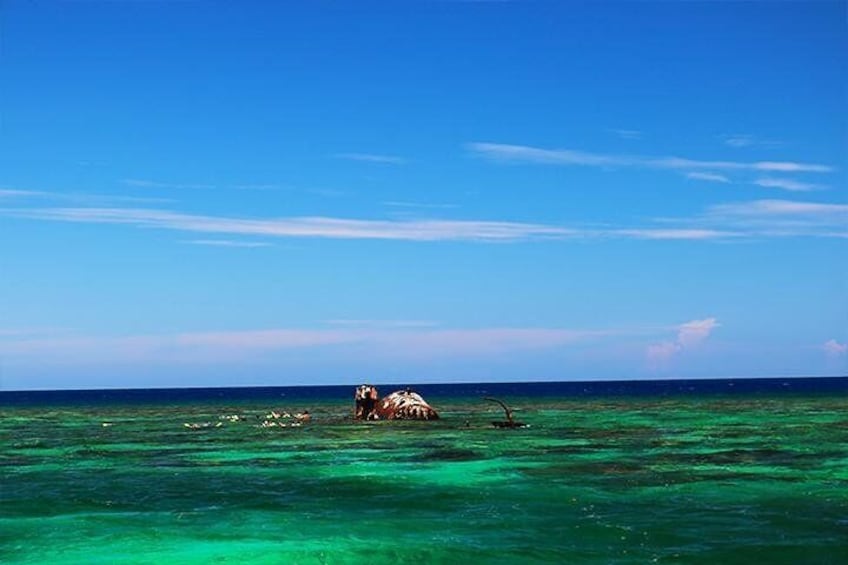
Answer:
(788, 184)
(265, 339)
(627, 133)
(739, 140)
(689, 335)
(326, 192)
(527, 154)
(835, 349)
(111, 199)
(79, 197)
(746, 140)
(783, 208)
(257, 187)
(481, 342)
(227, 243)
(710, 177)
(679, 234)
(142, 183)
(423, 205)
(660, 353)
(692, 333)
(315, 227)
(383, 323)
(13, 193)
(372, 158)
(771, 218)
(761, 218)
(188, 347)
(397, 342)
(32, 332)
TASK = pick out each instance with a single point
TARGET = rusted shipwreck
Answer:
(400, 405)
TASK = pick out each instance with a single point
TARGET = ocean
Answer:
(710, 471)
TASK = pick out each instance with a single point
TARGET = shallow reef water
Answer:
(608, 479)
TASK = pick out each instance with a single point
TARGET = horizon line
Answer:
(440, 383)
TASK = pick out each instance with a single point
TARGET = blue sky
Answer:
(221, 193)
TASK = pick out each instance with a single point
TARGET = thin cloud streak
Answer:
(375, 342)
(769, 218)
(372, 158)
(788, 184)
(314, 227)
(401, 204)
(142, 183)
(383, 323)
(483, 342)
(680, 234)
(13, 193)
(709, 177)
(80, 197)
(32, 332)
(740, 140)
(257, 187)
(772, 208)
(627, 133)
(227, 243)
(527, 154)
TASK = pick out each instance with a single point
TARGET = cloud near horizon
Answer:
(835, 349)
(689, 335)
(383, 340)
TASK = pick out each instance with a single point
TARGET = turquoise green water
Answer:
(614, 480)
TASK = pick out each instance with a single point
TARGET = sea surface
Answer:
(729, 471)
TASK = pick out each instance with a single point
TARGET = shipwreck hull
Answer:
(399, 405)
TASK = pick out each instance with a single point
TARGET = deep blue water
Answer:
(569, 389)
